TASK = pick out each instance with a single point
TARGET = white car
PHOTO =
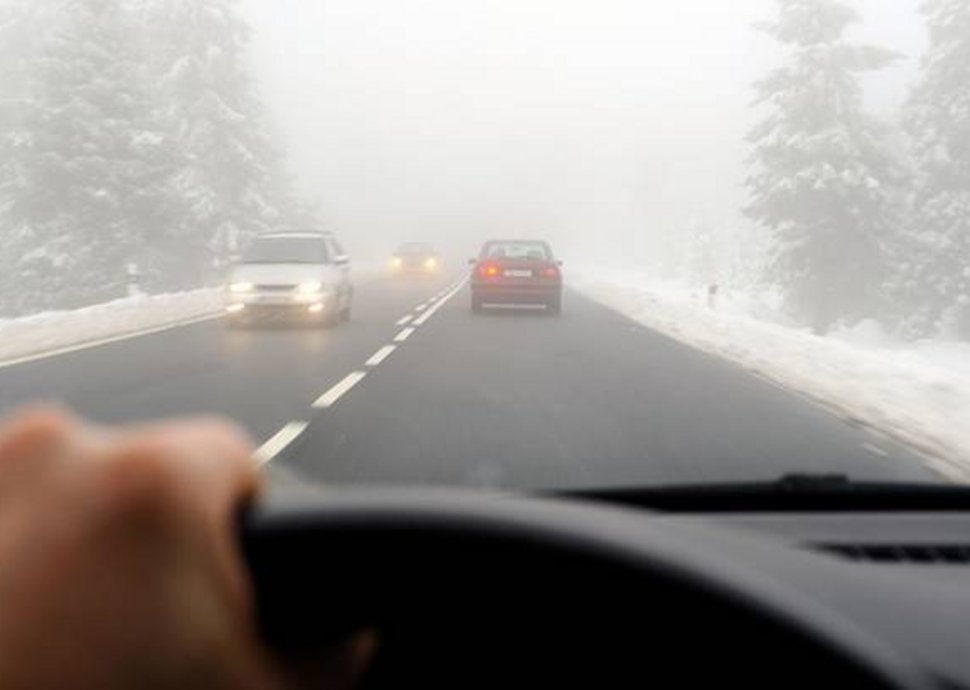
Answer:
(297, 274)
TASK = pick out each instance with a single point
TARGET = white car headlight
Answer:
(241, 287)
(310, 288)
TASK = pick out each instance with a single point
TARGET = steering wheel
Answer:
(477, 589)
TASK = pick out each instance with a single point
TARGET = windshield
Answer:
(516, 250)
(568, 244)
(414, 249)
(283, 250)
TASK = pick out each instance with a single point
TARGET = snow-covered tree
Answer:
(130, 133)
(87, 159)
(823, 175)
(938, 122)
(230, 173)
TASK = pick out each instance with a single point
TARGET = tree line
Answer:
(868, 218)
(133, 143)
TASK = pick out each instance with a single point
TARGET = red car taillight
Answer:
(488, 270)
(550, 272)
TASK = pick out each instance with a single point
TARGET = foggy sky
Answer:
(605, 125)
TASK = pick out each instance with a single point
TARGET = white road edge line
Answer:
(405, 321)
(330, 398)
(875, 450)
(280, 440)
(381, 355)
(110, 339)
(420, 321)
(404, 335)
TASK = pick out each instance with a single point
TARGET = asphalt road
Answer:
(514, 398)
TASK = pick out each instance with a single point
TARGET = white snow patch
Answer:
(918, 393)
(49, 332)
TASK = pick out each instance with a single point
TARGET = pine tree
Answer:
(938, 122)
(230, 173)
(87, 161)
(131, 134)
(823, 177)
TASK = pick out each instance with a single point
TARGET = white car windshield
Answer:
(293, 250)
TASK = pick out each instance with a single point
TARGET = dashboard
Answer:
(467, 588)
(904, 577)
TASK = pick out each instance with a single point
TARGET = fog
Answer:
(607, 127)
(768, 181)
(618, 130)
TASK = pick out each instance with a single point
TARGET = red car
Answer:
(516, 272)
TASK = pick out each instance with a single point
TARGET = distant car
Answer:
(415, 258)
(300, 274)
(516, 272)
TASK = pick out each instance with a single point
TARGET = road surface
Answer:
(417, 390)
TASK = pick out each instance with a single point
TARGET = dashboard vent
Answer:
(923, 554)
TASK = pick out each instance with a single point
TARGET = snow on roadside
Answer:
(49, 332)
(918, 393)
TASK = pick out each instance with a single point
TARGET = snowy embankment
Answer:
(50, 332)
(918, 393)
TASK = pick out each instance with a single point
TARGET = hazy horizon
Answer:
(583, 122)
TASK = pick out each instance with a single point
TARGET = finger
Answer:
(191, 477)
(209, 460)
(32, 440)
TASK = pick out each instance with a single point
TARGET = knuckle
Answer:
(44, 423)
(37, 432)
(231, 434)
(139, 480)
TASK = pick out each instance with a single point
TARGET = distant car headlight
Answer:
(241, 287)
(310, 288)
(396, 262)
(431, 264)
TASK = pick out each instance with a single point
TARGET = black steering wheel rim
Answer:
(602, 533)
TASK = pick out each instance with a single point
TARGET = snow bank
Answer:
(49, 332)
(918, 393)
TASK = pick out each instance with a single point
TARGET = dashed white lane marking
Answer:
(404, 335)
(875, 450)
(381, 355)
(280, 440)
(421, 307)
(420, 321)
(329, 398)
(405, 321)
